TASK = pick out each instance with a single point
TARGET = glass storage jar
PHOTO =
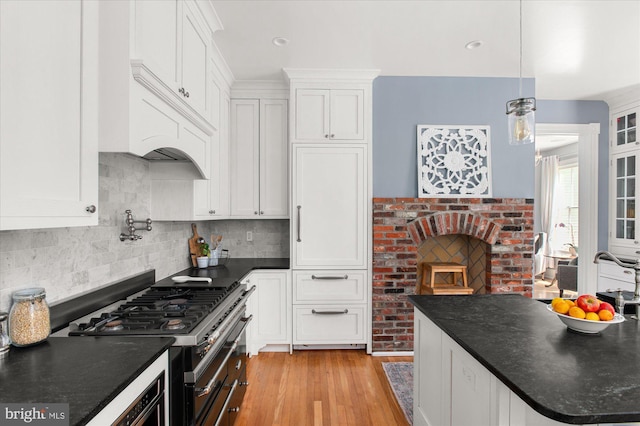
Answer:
(29, 321)
(5, 342)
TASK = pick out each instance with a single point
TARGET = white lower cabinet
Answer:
(270, 306)
(329, 324)
(452, 388)
(613, 277)
(329, 307)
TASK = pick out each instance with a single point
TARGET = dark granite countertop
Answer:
(86, 373)
(229, 273)
(567, 376)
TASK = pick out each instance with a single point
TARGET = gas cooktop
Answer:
(157, 311)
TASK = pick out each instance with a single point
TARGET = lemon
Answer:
(561, 307)
(592, 316)
(576, 312)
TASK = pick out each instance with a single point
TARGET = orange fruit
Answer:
(592, 316)
(556, 300)
(605, 315)
(561, 307)
(570, 302)
(576, 312)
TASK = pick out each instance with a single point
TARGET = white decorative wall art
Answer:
(454, 161)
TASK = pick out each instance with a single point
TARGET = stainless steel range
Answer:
(208, 360)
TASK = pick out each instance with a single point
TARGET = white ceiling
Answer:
(580, 49)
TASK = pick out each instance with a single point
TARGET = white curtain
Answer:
(548, 181)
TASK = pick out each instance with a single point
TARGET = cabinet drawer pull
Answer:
(313, 311)
(343, 277)
(91, 209)
(628, 272)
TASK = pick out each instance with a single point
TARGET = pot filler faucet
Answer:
(620, 301)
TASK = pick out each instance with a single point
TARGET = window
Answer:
(566, 202)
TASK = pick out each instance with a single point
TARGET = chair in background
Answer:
(567, 276)
(539, 266)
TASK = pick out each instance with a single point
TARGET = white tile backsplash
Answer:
(70, 261)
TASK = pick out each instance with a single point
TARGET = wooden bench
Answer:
(430, 269)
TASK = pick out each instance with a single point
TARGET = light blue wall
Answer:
(401, 103)
(584, 112)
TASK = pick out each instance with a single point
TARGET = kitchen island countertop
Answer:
(86, 373)
(564, 375)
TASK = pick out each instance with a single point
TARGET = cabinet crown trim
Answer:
(330, 74)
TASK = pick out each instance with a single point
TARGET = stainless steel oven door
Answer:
(228, 398)
(147, 409)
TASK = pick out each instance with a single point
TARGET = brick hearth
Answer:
(402, 225)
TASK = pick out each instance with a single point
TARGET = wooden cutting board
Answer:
(194, 245)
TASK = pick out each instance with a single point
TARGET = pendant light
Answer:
(520, 112)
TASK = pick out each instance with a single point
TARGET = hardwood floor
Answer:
(319, 387)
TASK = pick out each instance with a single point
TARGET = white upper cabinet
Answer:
(329, 115)
(48, 114)
(156, 38)
(195, 43)
(258, 146)
(624, 130)
(172, 50)
(155, 85)
(624, 166)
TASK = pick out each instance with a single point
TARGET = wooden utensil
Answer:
(194, 245)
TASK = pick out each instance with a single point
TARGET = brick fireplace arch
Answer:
(401, 225)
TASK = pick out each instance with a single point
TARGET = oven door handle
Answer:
(207, 389)
(223, 411)
(216, 334)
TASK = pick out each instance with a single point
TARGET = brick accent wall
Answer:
(401, 225)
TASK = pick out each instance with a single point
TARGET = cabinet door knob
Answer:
(256, 212)
(332, 136)
(212, 212)
(261, 211)
(91, 208)
(326, 136)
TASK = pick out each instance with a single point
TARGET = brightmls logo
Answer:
(34, 414)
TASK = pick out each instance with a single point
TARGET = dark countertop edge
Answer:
(547, 412)
(134, 375)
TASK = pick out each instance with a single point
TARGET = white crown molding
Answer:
(250, 89)
(221, 65)
(622, 98)
(210, 14)
(340, 75)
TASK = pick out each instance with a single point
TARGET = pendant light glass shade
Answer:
(520, 112)
(521, 121)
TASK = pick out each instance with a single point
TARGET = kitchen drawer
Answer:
(612, 270)
(606, 283)
(344, 286)
(329, 324)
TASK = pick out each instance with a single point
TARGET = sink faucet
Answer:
(620, 301)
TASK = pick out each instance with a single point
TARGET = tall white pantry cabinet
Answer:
(330, 129)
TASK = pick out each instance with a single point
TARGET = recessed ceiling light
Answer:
(280, 41)
(474, 44)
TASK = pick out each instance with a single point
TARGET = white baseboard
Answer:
(398, 353)
(322, 347)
